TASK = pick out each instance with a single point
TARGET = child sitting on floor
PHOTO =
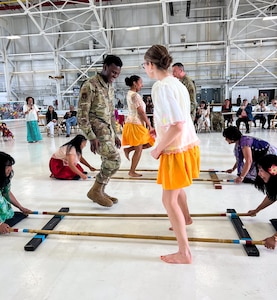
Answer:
(7, 134)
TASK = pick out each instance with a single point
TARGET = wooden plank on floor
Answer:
(251, 250)
(33, 244)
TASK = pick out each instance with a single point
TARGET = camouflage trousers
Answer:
(109, 154)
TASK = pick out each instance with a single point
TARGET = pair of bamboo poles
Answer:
(135, 236)
(153, 178)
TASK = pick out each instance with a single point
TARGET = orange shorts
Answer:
(177, 170)
(135, 135)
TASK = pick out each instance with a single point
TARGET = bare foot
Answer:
(134, 174)
(188, 222)
(177, 258)
(126, 152)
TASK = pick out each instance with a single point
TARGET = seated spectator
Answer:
(203, 113)
(149, 110)
(244, 115)
(239, 100)
(51, 119)
(254, 101)
(64, 163)
(70, 119)
(260, 108)
(273, 108)
(227, 108)
(119, 105)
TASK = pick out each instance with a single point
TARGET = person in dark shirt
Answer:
(51, 120)
(70, 119)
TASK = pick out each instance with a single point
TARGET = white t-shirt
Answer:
(171, 105)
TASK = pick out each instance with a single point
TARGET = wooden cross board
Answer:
(216, 180)
(50, 225)
(251, 250)
(274, 223)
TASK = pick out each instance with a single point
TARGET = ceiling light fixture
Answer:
(270, 18)
(13, 37)
(133, 28)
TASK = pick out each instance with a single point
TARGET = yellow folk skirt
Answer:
(177, 170)
(135, 135)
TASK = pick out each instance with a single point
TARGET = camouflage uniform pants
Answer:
(109, 154)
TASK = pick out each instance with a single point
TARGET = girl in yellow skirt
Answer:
(134, 132)
(176, 146)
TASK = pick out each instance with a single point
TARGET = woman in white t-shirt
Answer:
(31, 116)
(176, 146)
(64, 163)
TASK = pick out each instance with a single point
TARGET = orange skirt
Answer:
(135, 135)
(177, 170)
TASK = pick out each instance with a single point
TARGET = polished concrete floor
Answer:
(94, 268)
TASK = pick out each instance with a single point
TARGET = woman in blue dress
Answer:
(31, 115)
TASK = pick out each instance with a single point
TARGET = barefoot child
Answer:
(177, 146)
(135, 134)
(7, 134)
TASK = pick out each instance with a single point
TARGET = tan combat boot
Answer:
(114, 200)
(96, 195)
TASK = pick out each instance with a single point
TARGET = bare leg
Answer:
(176, 217)
(146, 146)
(127, 151)
(182, 201)
(135, 161)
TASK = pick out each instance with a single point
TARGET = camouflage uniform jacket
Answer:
(96, 109)
(189, 84)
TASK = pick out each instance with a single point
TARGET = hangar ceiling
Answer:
(87, 28)
(50, 19)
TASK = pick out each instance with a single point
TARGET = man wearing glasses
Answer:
(272, 108)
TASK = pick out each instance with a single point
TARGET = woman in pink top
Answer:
(64, 163)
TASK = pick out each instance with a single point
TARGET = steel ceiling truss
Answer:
(51, 17)
(87, 27)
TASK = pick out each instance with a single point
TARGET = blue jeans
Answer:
(72, 121)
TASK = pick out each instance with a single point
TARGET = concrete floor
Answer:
(94, 268)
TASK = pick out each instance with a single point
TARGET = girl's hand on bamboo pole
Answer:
(270, 242)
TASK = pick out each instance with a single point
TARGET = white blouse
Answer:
(172, 105)
(32, 115)
(134, 100)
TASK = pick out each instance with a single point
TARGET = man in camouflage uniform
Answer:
(178, 71)
(96, 119)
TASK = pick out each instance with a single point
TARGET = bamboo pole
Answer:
(153, 178)
(216, 171)
(214, 180)
(133, 178)
(135, 236)
(58, 213)
(138, 170)
(152, 170)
